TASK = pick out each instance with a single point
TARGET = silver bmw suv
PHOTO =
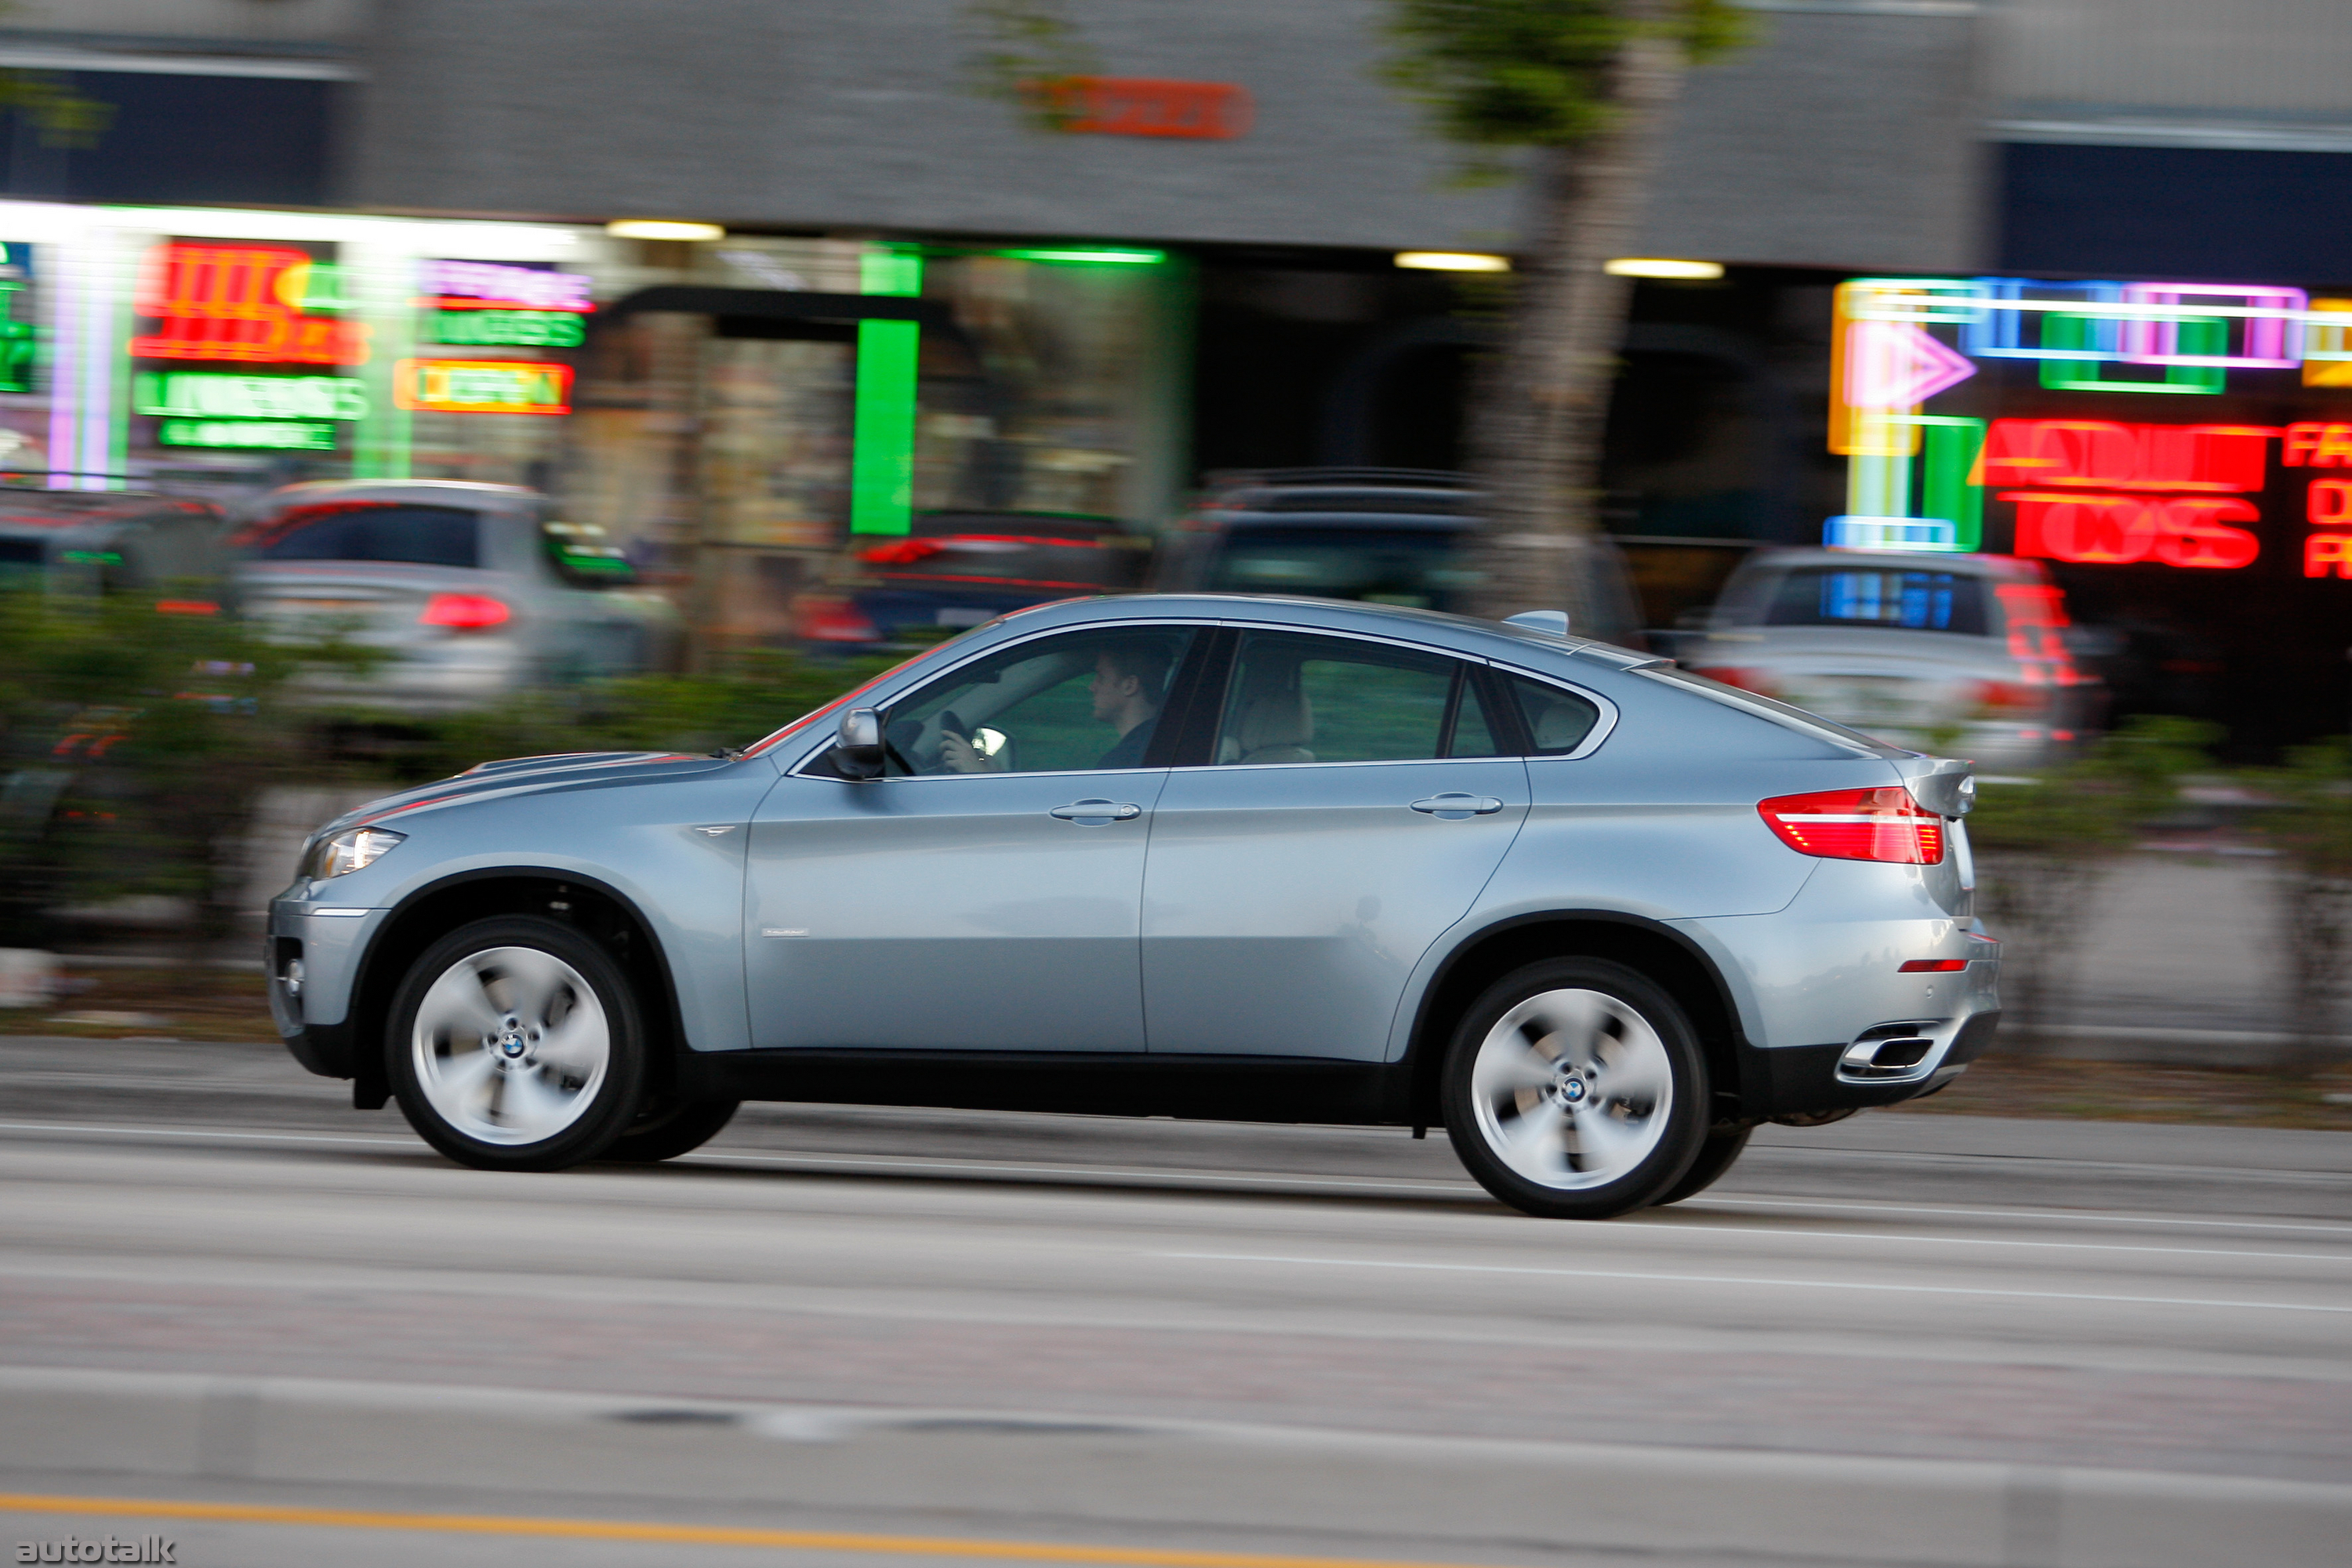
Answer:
(1241, 858)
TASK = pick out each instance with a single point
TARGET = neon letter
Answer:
(2330, 502)
(2328, 555)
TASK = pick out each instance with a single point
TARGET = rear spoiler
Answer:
(1943, 785)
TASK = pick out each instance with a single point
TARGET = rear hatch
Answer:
(372, 604)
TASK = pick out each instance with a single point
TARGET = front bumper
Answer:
(311, 957)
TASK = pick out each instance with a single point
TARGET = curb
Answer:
(1013, 1474)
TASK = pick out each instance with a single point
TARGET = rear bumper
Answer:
(1808, 1080)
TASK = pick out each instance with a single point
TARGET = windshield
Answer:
(367, 531)
(1380, 566)
(1879, 597)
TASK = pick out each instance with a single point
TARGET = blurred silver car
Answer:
(1953, 653)
(1229, 858)
(472, 591)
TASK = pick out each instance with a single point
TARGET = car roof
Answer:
(313, 492)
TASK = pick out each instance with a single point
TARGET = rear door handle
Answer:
(1454, 807)
(1096, 812)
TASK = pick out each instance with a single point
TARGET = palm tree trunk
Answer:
(1543, 405)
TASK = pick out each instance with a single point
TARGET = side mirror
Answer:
(858, 753)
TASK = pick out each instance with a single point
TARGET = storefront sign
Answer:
(266, 435)
(246, 302)
(482, 386)
(1145, 106)
(2081, 486)
(519, 288)
(212, 394)
(510, 329)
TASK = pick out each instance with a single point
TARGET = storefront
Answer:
(731, 409)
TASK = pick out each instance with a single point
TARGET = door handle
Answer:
(1096, 812)
(1454, 807)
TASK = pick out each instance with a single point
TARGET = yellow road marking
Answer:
(676, 1534)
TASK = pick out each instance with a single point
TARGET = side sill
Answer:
(1192, 1087)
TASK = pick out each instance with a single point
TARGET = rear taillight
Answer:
(1858, 825)
(818, 619)
(1754, 680)
(464, 612)
(2011, 698)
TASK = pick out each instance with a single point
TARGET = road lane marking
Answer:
(1751, 1279)
(1169, 1172)
(678, 1534)
(203, 1132)
(2101, 1216)
(1762, 1233)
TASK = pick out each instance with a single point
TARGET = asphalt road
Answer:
(1900, 1339)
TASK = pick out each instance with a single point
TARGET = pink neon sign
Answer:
(524, 285)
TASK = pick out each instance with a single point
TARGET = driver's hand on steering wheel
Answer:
(957, 755)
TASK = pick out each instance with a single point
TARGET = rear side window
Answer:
(1300, 698)
(1879, 597)
(1557, 722)
(367, 531)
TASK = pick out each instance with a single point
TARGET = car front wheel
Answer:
(516, 1044)
(1575, 1089)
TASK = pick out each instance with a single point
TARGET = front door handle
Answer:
(1097, 812)
(1454, 807)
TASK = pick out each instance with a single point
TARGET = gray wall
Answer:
(1846, 139)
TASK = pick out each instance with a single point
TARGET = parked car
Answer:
(957, 569)
(1595, 916)
(1964, 652)
(112, 541)
(471, 590)
(1383, 536)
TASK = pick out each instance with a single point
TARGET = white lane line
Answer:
(200, 1133)
(1760, 1233)
(1167, 1173)
(1752, 1280)
(2101, 1216)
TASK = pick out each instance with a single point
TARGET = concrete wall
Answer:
(1846, 138)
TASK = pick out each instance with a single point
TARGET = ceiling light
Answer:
(662, 229)
(1452, 261)
(1662, 267)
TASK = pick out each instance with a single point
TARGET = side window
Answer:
(583, 557)
(1557, 720)
(1081, 701)
(1298, 699)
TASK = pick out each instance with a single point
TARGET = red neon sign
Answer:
(1146, 106)
(2111, 531)
(2310, 443)
(229, 303)
(2328, 555)
(2102, 455)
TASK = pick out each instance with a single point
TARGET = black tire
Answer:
(1715, 1156)
(494, 971)
(1582, 1052)
(668, 1128)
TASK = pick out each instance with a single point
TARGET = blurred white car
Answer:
(471, 590)
(1958, 654)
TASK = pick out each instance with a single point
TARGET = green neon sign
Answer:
(1091, 256)
(16, 352)
(510, 329)
(261, 435)
(190, 394)
(882, 465)
(2207, 335)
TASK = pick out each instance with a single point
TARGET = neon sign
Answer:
(510, 329)
(210, 395)
(482, 386)
(523, 288)
(243, 302)
(2099, 454)
(2112, 531)
(1144, 106)
(266, 435)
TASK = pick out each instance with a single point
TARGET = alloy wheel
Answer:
(1572, 1089)
(511, 1046)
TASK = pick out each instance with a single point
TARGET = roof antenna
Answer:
(1552, 621)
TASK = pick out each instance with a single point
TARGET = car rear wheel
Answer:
(1715, 1157)
(668, 1128)
(516, 1044)
(1575, 1089)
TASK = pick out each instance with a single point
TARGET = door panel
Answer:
(948, 913)
(1293, 886)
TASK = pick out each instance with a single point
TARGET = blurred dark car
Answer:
(112, 541)
(1382, 536)
(959, 569)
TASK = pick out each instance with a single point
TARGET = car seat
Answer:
(1273, 721)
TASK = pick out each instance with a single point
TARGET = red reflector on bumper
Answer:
(1933, 966)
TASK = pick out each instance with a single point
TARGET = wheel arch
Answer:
(594, 907)
(1656, 949)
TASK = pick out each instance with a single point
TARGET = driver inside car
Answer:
(1128, 681)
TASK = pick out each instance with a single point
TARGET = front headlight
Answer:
(348, 851)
